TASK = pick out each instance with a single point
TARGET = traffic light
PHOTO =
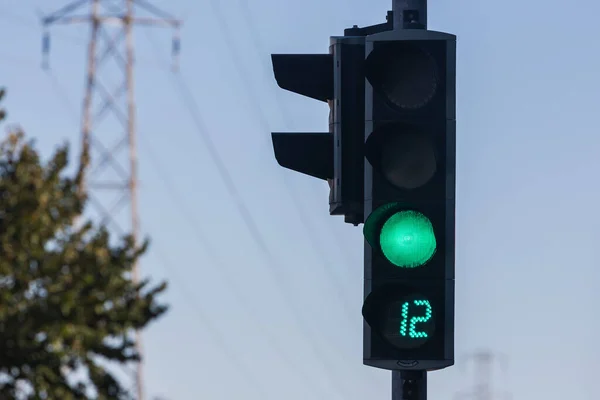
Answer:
(337, 155)
(409, 199)
(310, 75)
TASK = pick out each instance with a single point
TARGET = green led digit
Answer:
(405, 306)
(409, 329)
(415, 320)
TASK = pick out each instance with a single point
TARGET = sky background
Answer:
(527, 193)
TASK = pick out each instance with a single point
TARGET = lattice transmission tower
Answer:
(108, 130)
(483, 362)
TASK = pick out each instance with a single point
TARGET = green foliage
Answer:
(66, 295)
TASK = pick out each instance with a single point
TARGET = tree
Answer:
(67, 300)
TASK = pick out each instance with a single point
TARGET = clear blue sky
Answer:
(527, 220)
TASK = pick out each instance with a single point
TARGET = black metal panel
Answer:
(310, 75)
(347, 126)
(308, 153)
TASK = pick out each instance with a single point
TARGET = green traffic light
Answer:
(407, 239)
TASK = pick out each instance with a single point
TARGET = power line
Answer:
(188, 216)
(218, 264)
(251, 225)
(259, 47)
(193, 108)
(246, 80)
(111, 24)
(247, 216)
(184, 291)
(263, 121)
(304, 217)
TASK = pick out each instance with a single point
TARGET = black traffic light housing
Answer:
(409, 199)
(391, 94)
(338, 155)
(310, 75)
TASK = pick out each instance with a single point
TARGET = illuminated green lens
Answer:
(407, 239)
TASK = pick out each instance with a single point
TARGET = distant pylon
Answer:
(111, 24)
(483, 364)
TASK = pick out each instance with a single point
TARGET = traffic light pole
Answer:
(409, 385)
(408, 13)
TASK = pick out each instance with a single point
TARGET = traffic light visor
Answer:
(404, 73)
(405, 237)
(404, 155)
(310, 75)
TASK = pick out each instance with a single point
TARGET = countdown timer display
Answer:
(410, 322)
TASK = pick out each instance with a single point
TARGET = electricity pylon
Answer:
(111, 189)
(483, 362)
